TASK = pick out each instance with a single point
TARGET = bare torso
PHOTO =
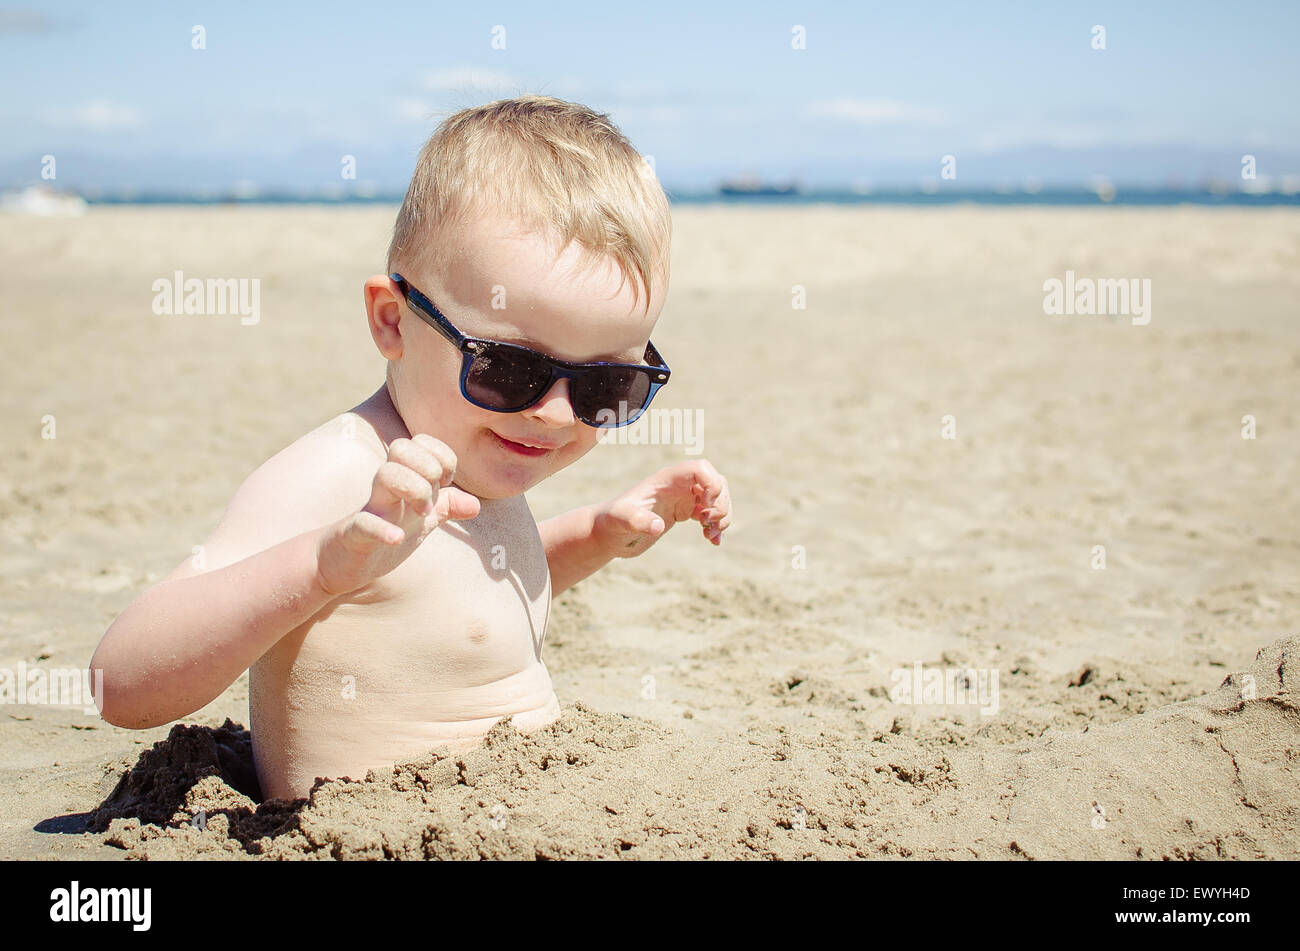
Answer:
(431, 654)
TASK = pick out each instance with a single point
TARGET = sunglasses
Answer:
(507, 378)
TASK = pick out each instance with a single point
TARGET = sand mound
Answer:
(1214, 776)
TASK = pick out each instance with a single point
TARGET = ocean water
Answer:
(1047, 196)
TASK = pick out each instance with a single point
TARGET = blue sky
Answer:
(880, 94)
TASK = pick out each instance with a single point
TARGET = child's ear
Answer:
(384, 313)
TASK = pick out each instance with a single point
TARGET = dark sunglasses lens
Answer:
(610, 396)
(506, 378)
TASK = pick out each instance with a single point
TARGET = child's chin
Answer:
(499, 486)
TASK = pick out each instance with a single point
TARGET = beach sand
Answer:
(730, 702)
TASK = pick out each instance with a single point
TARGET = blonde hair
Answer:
(555, 166)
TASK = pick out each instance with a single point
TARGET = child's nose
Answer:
(554, 408)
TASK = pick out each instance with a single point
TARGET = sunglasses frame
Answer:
(469, 347)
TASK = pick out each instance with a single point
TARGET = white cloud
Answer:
(1077, 136)
(632, 112)
(99, 115)
(872, 111)
(467, 77)
(629, 100)
(415, 110)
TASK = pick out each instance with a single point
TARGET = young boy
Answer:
(383, 576)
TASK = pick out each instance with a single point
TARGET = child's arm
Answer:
(184, 641)
(581, 542)
(571, 553)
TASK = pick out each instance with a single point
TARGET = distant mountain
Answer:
(315, 169)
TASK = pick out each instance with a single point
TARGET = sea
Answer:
(1111, 195)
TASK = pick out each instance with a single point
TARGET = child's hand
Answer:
(636, 519)
(411, 495)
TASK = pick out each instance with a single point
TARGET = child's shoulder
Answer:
(317, 479)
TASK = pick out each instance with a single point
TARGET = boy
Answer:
(383, 576)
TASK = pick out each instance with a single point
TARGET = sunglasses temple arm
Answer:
(428, 313)
(654, 359)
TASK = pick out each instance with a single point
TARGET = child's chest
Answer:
(469, 607)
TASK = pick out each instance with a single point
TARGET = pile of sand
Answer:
(1210, 777)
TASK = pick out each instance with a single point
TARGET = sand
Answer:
(731, 702)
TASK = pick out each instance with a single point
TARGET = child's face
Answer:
(557, 305)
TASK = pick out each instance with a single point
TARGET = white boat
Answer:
(43, 201)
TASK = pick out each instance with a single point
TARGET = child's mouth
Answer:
(521, 448)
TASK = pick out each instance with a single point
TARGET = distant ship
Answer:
(752, 185)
